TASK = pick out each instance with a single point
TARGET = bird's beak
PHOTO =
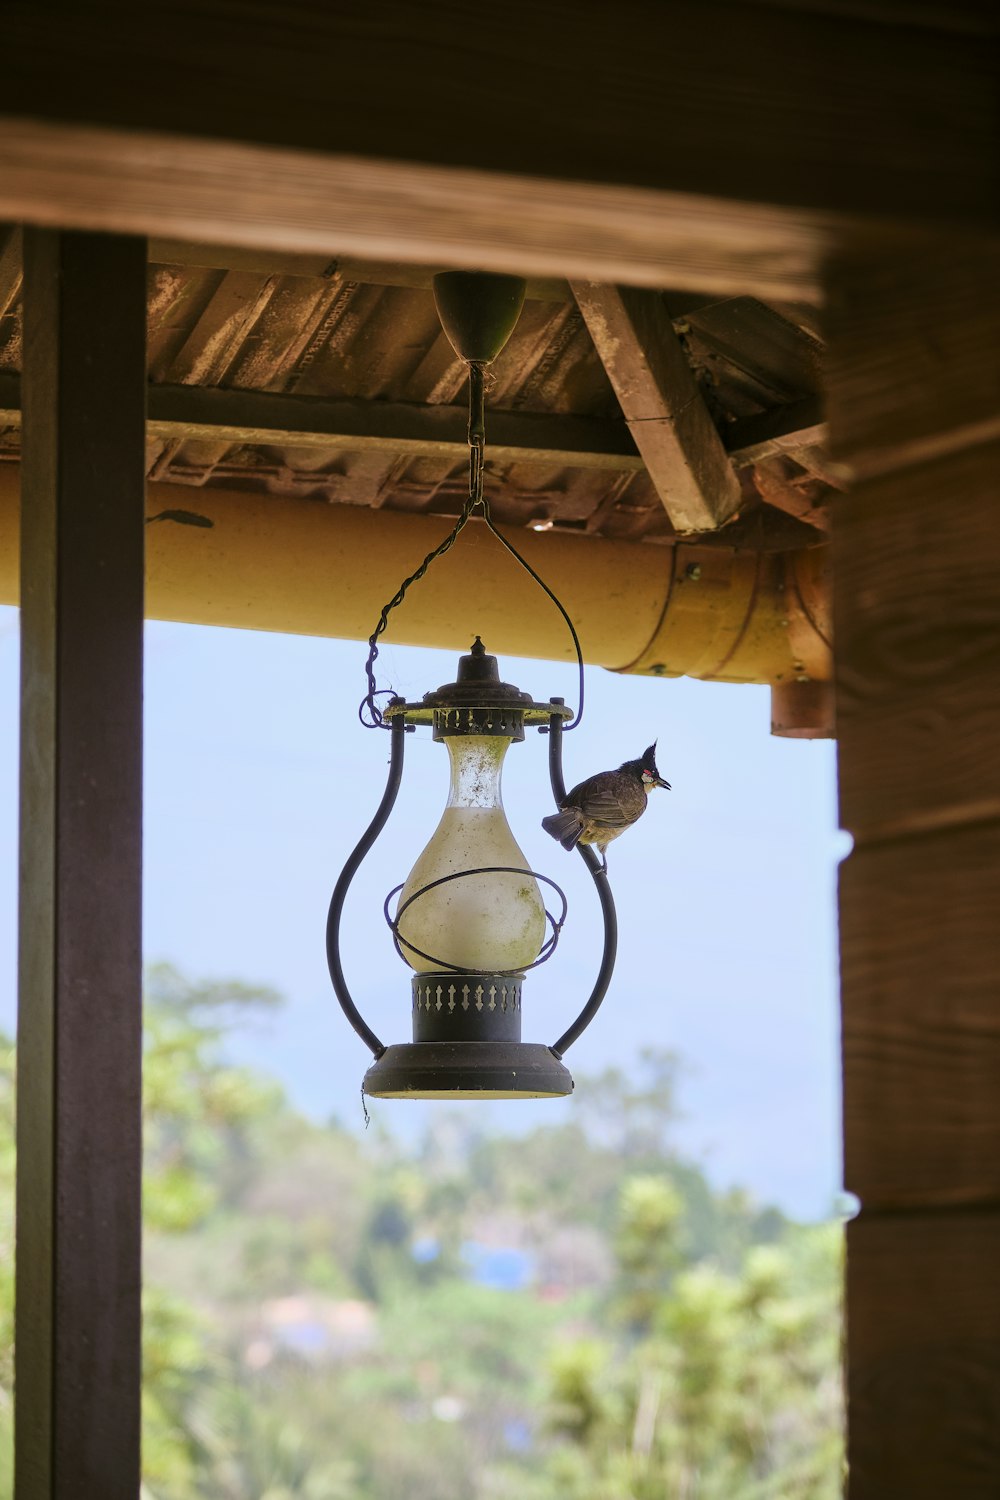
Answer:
(660, 782)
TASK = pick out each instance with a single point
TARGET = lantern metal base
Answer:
(468, 1070)
(455, 1007)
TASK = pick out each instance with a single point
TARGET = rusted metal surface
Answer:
(79, 1023)
(362, 337)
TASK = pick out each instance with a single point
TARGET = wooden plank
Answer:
(756, 110)
(798, 424)
(218, 337)
(971, 17)
(769, 350)
(79, 1024)
(662, 404)
(804, 498)
(387, 426)
(912, 369)
(917, 629)
(347, 267)
(274, 418)
(920, 964)
(328, 204)
(917, 621)
(923, 1382)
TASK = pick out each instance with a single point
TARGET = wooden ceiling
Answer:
(629, 414)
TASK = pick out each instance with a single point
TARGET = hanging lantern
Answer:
(470, 919)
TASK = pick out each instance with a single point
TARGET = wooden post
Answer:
(914, 409)
(79, 1029)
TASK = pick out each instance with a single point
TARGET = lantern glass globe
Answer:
(490, 921)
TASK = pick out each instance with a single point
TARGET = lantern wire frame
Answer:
(369, 712)
(445, 964)
(398, 728)
(394, 718)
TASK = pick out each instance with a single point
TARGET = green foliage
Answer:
(198, 1112)
(661, 1338)
(733, 1391)
(647, 1246)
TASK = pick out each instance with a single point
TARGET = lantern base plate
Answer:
(468, 1070)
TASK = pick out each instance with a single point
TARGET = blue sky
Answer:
(259, 779)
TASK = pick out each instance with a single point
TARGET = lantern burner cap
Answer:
(477, 702)
(478, 666)
(478, 685)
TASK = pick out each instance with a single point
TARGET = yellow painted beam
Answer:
(308, 568)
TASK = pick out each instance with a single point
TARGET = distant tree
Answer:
(732, 1393)
(198, 1110)
(648, 1247)
(694, 1355)
(632, 1113)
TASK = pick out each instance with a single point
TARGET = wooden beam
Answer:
(399, 273)
(662, 404)
(387, 426)
(799, 424)
(78, 1369)
(348, 267)
(804, 500)
(244, 416)
(923, 1355)
(256, 561)
(327, 204)
(742, 104)
(917, 628)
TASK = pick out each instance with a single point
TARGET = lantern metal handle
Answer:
(600, 878)
(347, 874)
(397, 744)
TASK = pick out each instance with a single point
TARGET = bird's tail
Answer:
(566, 826)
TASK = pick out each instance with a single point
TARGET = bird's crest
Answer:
(648, 767)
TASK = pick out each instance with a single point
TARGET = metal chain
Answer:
(368, 711)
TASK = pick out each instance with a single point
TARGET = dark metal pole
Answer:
(347, 874)
(607, 900)
(79, 1027)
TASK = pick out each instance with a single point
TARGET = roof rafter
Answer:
(662, 404)
(179, 412)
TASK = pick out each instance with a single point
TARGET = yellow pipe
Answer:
(307, 568)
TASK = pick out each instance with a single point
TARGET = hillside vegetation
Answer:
(567, 1314)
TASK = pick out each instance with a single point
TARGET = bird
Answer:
(603, 806)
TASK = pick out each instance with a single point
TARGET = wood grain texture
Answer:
(970, 17)
(220, 415)
(307, 202)
(662, 404)
(79, 1200)
(923, 1342)
(917, 621)
(920, 967)
(912, 402)
(241, 415)
(912, 366)
(348, 267)
(783, 429)
(746, 102)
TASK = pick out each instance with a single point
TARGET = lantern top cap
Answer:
(477, 685)
(477, 666)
